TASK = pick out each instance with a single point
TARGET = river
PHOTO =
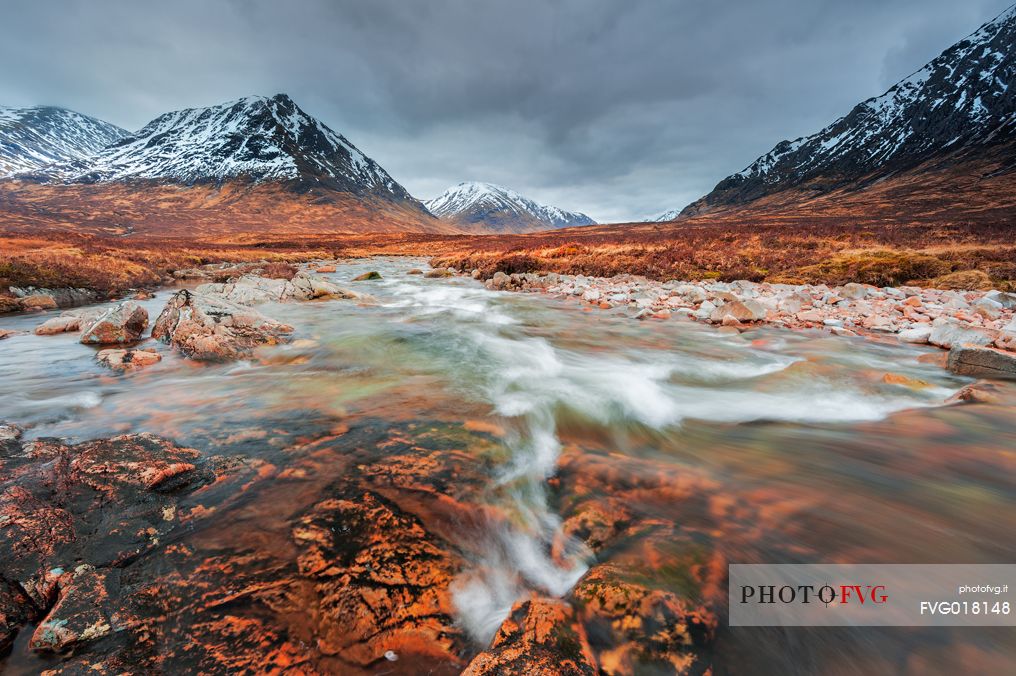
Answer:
(773, 446)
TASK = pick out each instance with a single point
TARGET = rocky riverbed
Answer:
(980, 325)
(412, 473)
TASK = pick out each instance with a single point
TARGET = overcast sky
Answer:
(621, 109)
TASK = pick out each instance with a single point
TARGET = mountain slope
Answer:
(493, 208)
(31, 138)
(258, 166)
(953, 108)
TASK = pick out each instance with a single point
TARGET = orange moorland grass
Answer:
(950, 228)
(762, 253)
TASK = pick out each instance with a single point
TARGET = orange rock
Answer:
(540, 636)
(905, 381)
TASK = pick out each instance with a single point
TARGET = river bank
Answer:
(978, 326)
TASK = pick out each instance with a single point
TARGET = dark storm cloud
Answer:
(620, 109)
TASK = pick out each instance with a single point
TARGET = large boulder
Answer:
(71, 320)
(982, 362)
(122, 323)
(854, 291)
(207, 327)
(947, 332)
(915, 334)
(741, 310)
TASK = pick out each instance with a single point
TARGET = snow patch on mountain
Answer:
(32, 138)
(666, 216)
(256, 139)
(500, 207)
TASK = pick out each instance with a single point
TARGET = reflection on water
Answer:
(805, 450)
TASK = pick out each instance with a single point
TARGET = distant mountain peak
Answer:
(962, 100)
(665, 216)
(32, 138)
(254, 139)
(500, 209)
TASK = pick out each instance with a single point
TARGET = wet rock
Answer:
(382, 579)
(979, 392)
(125, 360)
(8, 303)
(31, 298)
(434, 274)
(367, 276)
(648, 630)
(252, 289)
(475, 274)
(9, 436)
(100, 503)
(947, 332)
(982, 362)
(82, 614)
(4, 333)
(123, 323)
(324, 269)
(70, 320)
(38, 301)
(209, 328)
(61, 324)
(415, 271)
(540, 636)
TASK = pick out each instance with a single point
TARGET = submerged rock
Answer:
(123, 323)
(373, 274)
(125, 360)
(208, 327)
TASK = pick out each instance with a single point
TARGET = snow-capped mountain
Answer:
(961, 101)
(255, 139)
(31, 138)
(498, 209)
(665, 216)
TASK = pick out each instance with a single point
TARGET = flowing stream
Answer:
(767, 415)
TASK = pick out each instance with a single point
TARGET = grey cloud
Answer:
(618, 109)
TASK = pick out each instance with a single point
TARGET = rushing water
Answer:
(795, 425)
